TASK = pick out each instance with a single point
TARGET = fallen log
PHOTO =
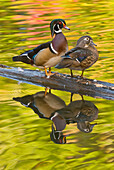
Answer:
(64, 82)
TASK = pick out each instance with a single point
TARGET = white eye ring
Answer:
(87, 39)
(86, 130)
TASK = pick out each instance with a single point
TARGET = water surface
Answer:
(25, 138)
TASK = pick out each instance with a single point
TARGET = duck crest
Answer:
(56, 26)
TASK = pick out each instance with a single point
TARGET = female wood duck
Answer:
(83, 56)
(48, 54)
(81, 112)
(84, 112)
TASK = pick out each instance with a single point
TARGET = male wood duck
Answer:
(83, 56)
(48, 54)
(45, 107)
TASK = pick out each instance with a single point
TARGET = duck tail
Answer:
(22, 58)
(59, 66)
(26, 100)
(64, 63)
(16, 58)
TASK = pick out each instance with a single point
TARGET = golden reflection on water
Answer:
(25, 141)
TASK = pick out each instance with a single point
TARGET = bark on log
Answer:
(90, 87)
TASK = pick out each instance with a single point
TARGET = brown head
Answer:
(85, 42)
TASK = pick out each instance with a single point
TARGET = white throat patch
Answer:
(86, 46)
(57, 31)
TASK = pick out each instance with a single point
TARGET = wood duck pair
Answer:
(83, 56)
(53, 108)
(49, 54)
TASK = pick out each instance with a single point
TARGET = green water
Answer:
(24, 137)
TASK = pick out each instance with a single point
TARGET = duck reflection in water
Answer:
(45, 105)
(81, 112)
(51, 107)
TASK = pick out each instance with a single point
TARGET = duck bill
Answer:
(92, 125)
(93, 43)
(65, 27)
(64, 140)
